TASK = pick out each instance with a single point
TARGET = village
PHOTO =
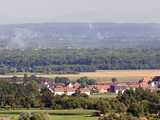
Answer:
(84, 93)
(101, 87)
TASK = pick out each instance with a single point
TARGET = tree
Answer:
(103, 106)
(136, 109)
(33, 116)
(63, 80)
(84, 81)
(114, 80)
(39, 116)
(114, 116)
(25, 78)
(47, 97)
(24, 116)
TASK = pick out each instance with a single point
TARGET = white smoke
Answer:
(90, 26)
(21, 38)
(99, 36)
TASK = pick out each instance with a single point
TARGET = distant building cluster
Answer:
(152, 83)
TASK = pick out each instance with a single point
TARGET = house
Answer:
(144, 83)
(155, 82)
(77, 85)
(59, 91)
(70, 85)
(70, 91)
(59, 85)
(133, 85)
(85, 91)
(103, 88)
(118, 88)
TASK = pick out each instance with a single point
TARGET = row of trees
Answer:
(83, 81)
(50, 60)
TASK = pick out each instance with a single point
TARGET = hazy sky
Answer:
(20, 11)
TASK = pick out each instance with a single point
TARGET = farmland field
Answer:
(101, 74)
(77, 114)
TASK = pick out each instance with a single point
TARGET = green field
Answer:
(105, 95)
(77, 114)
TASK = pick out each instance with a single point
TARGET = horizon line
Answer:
(80, 23)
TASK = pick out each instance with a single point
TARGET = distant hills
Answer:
(79, 35)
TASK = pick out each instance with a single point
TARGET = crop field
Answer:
(105, 75)
(77, 114)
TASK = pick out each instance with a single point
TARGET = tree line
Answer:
(77, 60)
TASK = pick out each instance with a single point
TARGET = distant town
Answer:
(85, 85)
(114, 86)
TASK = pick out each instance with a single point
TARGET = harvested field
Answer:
(102, 74)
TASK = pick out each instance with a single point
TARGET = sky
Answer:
(35, 11)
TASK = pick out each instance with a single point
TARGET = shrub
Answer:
(33, 116)
(39, 116)
(24, 116)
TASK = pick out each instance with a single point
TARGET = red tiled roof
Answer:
(59, 89)
(147, 79)
(105, 87)
(77, 85)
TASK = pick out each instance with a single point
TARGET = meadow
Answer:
(77, 114)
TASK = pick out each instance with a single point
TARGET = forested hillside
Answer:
(74, 35)
(78, 60)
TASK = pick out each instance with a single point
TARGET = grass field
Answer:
(106, 75)
(105, 95)
(77, 114)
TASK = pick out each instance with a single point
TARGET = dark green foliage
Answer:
(136, 109)
(19, 95)
(33, 116)
(24, 116)
(118, 117)
(84, 81)
(72, 102)
(76, 60)
(47, 98)
(103, 106)
(140, 101)
(63, 80)
(117, 106)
